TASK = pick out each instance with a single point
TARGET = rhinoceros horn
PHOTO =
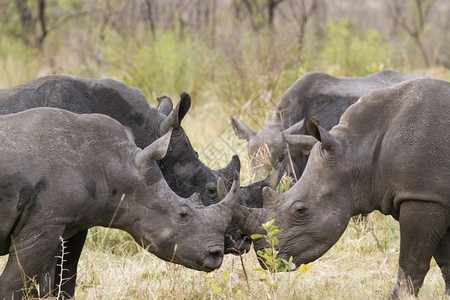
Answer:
(249, 220)
(294, 128)
(226, 205)
(276, 174)
(177, 114)
(270, 198)
(241, 130)
(165, 105)
(231, 169)
(302, 141)
(195, 198)
(221, 189)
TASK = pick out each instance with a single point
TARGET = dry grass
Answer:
(362, 264)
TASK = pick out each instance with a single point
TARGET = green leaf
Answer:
(305, 268)
(257, 236)
(269, 223)
(225, 273)
(216, 288)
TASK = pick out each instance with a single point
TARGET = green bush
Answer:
(353, 52)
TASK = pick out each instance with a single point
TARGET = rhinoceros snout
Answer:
(213, 259)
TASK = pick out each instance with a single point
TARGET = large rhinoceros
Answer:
(61, 173)
(390, 152)
(313, 94)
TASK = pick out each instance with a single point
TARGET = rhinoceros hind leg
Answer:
(422, 227)
(442, 257)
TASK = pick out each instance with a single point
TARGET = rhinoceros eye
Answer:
(185, 215)
(211, 191)
(299, 209)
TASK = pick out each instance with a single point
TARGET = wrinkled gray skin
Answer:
(390, 152)
(181, 168)
(313, 94)
(61, 173)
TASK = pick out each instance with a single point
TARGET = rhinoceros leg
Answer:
(30, 249)
(74, 246)
(442, 257)
(422, 227)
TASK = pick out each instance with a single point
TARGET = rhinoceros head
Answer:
(176, 229)
(315, 212)
(187, 174)
(267, 145)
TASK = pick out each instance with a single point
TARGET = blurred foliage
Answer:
(354, 53)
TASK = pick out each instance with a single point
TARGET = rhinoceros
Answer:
(390, 152)
(313, 94)
(61, 173)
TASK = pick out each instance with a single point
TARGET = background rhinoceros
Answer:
(390, 152)
(313, 94)
(62, 173)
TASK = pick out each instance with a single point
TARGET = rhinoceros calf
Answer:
(313, 94)
(61, 173)
(390, 152)
(181, 167)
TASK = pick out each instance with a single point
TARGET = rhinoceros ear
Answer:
(185, 105)
(165, 105)
(155, 151)
(174, 118)
(327, 141)
(241, 130)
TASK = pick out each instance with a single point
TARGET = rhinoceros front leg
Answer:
(422, 227)
(74, 246)
(442, 257)
(29, 252)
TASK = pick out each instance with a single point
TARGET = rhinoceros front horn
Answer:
(177, 114)
(248, 219)
(276, 174)
(224, 208)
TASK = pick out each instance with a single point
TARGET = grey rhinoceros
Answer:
(313, 94)
(61, 173)
(390, 152)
